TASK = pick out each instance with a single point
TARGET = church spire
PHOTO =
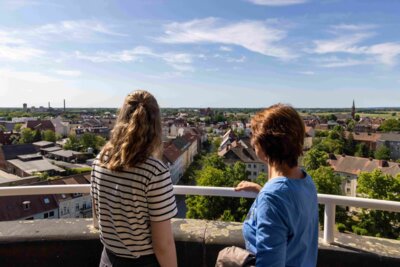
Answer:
(353, 110)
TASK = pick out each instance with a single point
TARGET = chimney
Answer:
(64, 105)
(26, 205)
(332, 156)
(383, 163)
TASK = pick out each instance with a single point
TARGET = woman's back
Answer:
(125, 201)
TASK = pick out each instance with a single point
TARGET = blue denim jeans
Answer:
(109, 259)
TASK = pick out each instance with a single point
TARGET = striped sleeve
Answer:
(160, 197)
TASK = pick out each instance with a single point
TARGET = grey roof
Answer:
(395, 137)
(30, 157)
(51, 149)
(13, 151)
(43, 143)
(35, 166)
(180, 143)
(65, 153)
(8, 177)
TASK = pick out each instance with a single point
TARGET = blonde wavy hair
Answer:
(136, 134)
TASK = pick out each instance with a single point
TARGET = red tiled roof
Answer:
(355, 165)
(41, 125)
(11, 207)
(365, 137)
(171, 152)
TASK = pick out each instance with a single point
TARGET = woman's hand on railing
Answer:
(248, 186)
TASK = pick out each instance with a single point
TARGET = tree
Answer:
(314, 159)
(3, 128)
(218, 208)
(17, 127)
(351, 125)
(72, 143)
(216, 143)
(27, 136)
(215, 161)
(349, 145)
(383, 152)
(326, 180)
(390, 125)
(49, 136)
(330, 146)
(38, 136)
(378, 185)
(362, 150)
(100, 142)
(332, 117)
(88, 140)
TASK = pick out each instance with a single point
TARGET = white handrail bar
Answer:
(204, 191)
(330, 201)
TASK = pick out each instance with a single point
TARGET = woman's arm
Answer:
(163, 243)
(248, 186)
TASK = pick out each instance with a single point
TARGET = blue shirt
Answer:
(281, 228)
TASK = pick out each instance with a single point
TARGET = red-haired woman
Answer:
(281, 228)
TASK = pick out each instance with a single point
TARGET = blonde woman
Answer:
(132, 192)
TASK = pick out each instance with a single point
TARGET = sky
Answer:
(209, 53)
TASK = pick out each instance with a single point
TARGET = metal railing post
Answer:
(329, 223)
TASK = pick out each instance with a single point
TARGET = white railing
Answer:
(330, 201)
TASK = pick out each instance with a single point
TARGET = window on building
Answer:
(254, 166)
(84, 206)
(46, 215)
(51, 214)
(348, 190)
(249, 165)
(254, 173)
(46, 200)
(348, 181)
(65, 210)
(77, 206)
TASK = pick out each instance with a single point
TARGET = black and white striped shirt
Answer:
(126, 201)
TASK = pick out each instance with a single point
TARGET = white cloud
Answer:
(354, 27)
(255, 36)
(345, 44)
(177, 58)
(68, 73)
(16, 49)
(344, 63)
(8, 38)
(225, 48)
(236, 60)
(386, 53)
(19, 53)
(119, 56)
(307, 72)
(277, 2)
(383, 53)
(179, 61)
(80, 30)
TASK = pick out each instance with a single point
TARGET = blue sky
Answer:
(235, 53)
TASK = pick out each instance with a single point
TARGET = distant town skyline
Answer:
(231, 53)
